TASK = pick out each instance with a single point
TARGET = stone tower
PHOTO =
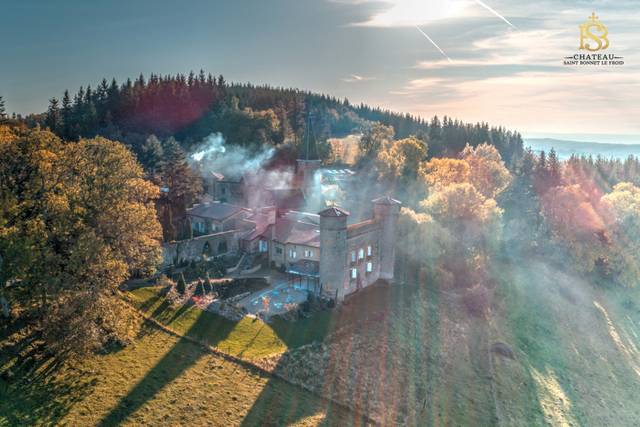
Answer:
(386, 211)
(333, 251)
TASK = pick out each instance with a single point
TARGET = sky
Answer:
(499, 61)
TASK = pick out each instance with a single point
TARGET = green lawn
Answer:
(576, 346)
(249, 338)
(426, 361)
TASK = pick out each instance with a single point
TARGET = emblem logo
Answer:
(593, 35)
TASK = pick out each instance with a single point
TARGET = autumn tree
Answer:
(488, 173)
(578, 225)
(373, 139)
(439, 173)
(76, 220)
(400, 159)
(462, 209)
(623, 203)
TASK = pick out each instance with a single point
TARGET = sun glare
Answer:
(418, 12)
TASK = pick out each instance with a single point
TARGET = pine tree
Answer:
(528, 163)
(180, 188)
(181, 286)
(54, 118)
(199, 288)
(207, 283)
(554, 174)
(435, 129)
(3, 112)
(151, 154)
(67, 112)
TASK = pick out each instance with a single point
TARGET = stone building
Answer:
(214, 217)
(336, 256)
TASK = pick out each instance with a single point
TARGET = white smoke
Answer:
(212, 155)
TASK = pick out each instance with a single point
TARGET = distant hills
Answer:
(565, 148)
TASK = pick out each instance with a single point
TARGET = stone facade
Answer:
(339, 257)
(355, 256)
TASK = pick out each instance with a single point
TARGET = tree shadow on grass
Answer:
(276, 407)
(146, 305)
(32, 388)
(176, 361)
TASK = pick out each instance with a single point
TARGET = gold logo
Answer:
(599, 36)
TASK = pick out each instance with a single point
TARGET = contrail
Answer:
(490, 9)
(434, 43)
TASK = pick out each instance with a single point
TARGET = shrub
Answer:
(199, 289)
(476, 300)
(207, 283)
(181, 285)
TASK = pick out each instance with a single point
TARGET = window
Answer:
(308, 253)
(369, 267)
(292, 254)
(369, 250)
(279, 250)
(354, 273)
(361, 253)
(263, 246)
(353, 256)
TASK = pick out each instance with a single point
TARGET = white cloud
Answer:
(354, 78)
(409, 13)
(516, 77)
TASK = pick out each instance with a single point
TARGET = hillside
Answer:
(416, 355)
(566, 148)
(194, 106)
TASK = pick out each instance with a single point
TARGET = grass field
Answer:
(405, 354)
(576, 346)
(162, 380)
(249, 338)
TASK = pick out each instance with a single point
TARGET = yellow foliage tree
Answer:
(487, 170)
(462, 207)
(624, 205)
(400, 158)
(76, 220)
(439, 173)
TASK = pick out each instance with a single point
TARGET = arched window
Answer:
(206, 249)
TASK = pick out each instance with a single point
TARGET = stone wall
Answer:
(192, 249)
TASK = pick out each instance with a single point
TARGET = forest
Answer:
(191, 107)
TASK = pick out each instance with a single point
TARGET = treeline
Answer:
(582, 212)
(190, 107)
